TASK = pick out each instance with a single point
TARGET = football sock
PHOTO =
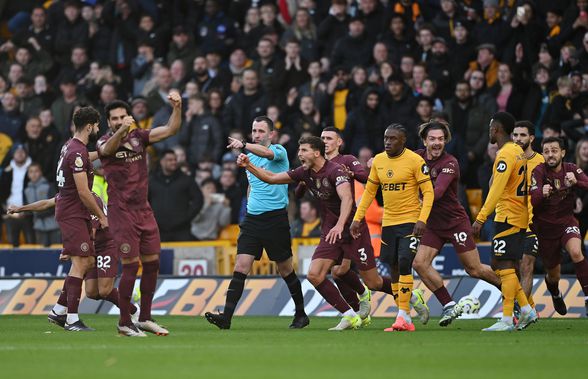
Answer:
(531, 301)
(405, 292)
(386, 285)
(74, 292)
(526, 309)
(295, 289)
(582, 275)
(348, 294)
(352, 279)
(350, 313)
(509, 280)
(148, 284)
(520, 295)
(553, 288)
(125, 291)
(443, 295)
(331, 294)
(113, 298)
(234, 293)
(60, 308)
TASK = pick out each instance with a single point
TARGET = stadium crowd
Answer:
(358, 65)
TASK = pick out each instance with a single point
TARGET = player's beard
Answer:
(93, 137)
(554, 165)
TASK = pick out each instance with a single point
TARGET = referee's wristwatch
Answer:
(244, 142)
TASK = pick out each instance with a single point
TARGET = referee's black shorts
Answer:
(269, 231)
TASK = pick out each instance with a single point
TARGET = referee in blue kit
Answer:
(265, 226)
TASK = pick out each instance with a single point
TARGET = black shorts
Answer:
(397, 242)
(508, 243)
(531, 245)
(269, 231)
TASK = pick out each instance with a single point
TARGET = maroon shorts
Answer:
(106, 259)
(77, 237)
(335, 251)
(360, 250)
(550, 248)
(460, 236)
(134, 232)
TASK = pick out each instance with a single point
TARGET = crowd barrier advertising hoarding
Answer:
(269, 296)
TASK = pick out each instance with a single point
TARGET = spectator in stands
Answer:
(231, 189)
(30, 104)
(469, 122)
(157, 98)
(509, 95)
(245, 105)
(444, 21)
(302, 30)
(429, 89)
(440, 68)
(407, 63)
(357, 86)
(355, 48)
(397, 39)
(480, 95)
(536, 100)
(202, 134)
(560, 109)
(308, 225)
(295, 66)
(485, 62)
(72, 31)
(462, 50)
(12, 184)
(425, 36)
(175, 199)
(216, 30)
(269, 17)
(182, 47)
(252, 31)
(140, 113)
(151, 34)
(39, 30)
(365, 125)
(215, 103)
(62, 108)
(269, 68)
(142, 66)
(214, 215)
(42, 147)
(400, 102)
(491, 29)
(201, 75)
(11, 119)
(333, 27)
(316, 87)
(44, 224)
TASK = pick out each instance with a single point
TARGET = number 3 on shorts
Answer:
(362, 254)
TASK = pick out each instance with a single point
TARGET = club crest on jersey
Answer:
(501, 166)
(84, 247)
(134, 142)
(79, 162)
(556, 183)
(434, 172)
(125, 248)
(390, 173)
(326, 182)
(425, 169)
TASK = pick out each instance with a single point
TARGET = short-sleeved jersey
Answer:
(508, 192)
(447, 211)
(126, 170)
(73, 159)
(400, 178)
(264, 197)
(532, 162)
(354, 165)
(323, 186)
(558, 208)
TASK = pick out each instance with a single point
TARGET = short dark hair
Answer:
(333, 129)
(166, 152)
(85, 116)
(209, 181)
(526, 124)
(551, 125)
(115, 105)
(435, 125)
(506, 120)
(398, 127)
(315, 143)
(268, 121)
(559, 141)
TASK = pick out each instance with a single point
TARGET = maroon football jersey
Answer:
(323, 186)
(126, 171)
(558, 208)
(447, 211)
(73, 159)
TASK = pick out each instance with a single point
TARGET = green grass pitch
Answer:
(263, 347)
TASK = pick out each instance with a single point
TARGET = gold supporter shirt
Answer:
(400, 179)
(532, 162)
(508, 192)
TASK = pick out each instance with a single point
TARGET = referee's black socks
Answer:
(295, 288)
(234, 293)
